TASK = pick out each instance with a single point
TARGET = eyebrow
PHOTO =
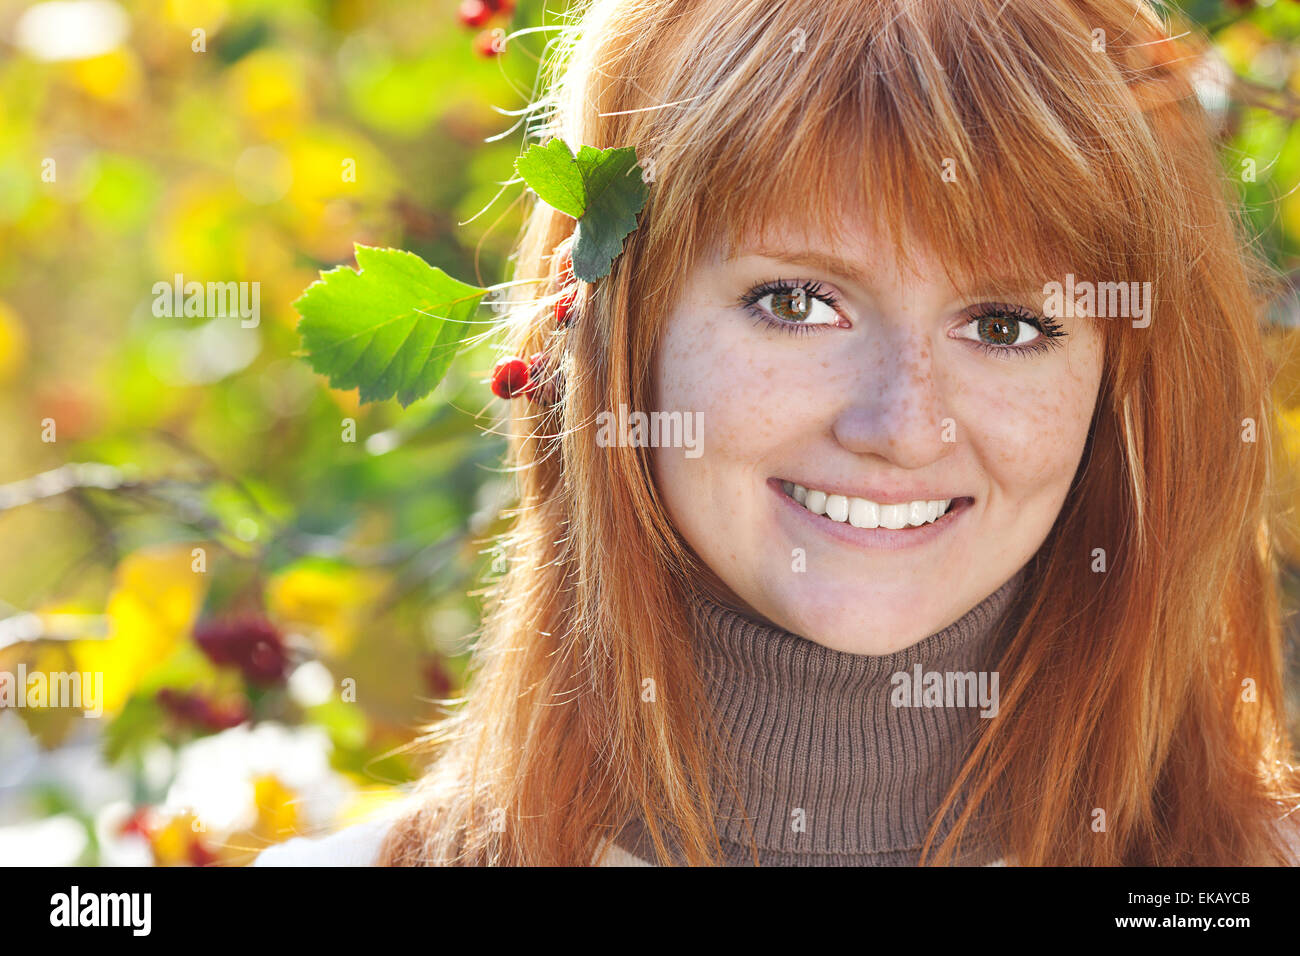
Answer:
(825, 261)
(843, 268)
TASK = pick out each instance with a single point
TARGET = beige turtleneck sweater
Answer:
(831, 769)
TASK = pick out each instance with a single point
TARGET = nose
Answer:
(895, 407)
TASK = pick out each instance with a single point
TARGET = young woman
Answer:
(958, 550)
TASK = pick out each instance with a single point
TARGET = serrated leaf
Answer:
(601, 188)
(391, 328)
(615, 194)
(552, 172)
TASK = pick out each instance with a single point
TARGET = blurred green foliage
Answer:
(258, 150)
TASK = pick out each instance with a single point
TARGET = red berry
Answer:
(501, 6)
(436, 677)
(249, 642)
(217, 716)
(198, 711)
(186, 708)
(564, 306)
(509, 378)
(474, 13)
(200, 855)
(139, 822)
(490, 42)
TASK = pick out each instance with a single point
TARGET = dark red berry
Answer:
(501, 6)
(184, 707)
(249, 642)
(564, 308)
(436, 677)
(475, 13)
(490, 43)
(224, 716)
(509, 378)
(197, 711)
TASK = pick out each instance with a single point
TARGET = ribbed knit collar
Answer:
(830, 770)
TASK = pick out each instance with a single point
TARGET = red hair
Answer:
(1152, 691)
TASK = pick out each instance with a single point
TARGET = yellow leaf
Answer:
(184, 841)
(171, 842)
(277, 809)
(188, 13)
(328, 603)
(269, 87)
(197, 228)
(155, 599)
(13, 343)
(114, 76)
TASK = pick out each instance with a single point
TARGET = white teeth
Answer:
(893, 517)
(862, 513)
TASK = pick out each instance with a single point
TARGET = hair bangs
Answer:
(980, 146)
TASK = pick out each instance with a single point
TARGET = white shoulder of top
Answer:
(358, 845)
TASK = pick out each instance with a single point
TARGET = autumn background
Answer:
(275, 581)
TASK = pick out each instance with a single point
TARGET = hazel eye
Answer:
(999, 329)
(792, 306)
(797, 305)
(1009, 330)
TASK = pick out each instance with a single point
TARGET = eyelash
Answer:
(1049, 330)
(813, 288)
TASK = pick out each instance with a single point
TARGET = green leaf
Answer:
(390, 329)
(601, 188)
(552, 172)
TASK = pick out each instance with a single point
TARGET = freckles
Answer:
(705, 369)
(919, 365)
(918, 371)
(1080, 381)
(684, 351)
(1033, 432)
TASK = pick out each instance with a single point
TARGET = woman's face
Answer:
(878, 392)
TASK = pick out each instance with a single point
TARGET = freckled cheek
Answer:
(743, 392)
(1029, 438)
(703, 370)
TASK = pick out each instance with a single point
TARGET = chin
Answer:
(844, 618)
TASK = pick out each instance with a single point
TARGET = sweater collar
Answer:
(837, 760)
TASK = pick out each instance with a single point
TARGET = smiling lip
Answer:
(883, 539)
